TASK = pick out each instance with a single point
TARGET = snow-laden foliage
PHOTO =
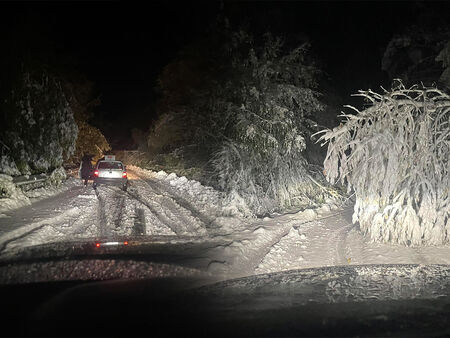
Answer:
(8, 166)
(40, 130)
(82, 99)
(444, 58)
(90, 141)
(57, 177)
(419, 54)
(262, 158)
(395, 156)
(11, 196)
(165, 133)
(240, 109)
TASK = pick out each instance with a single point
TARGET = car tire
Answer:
(124, 188)
(94, 185)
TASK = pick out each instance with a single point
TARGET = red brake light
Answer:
(97, 245)
(124, 175)
(96, 173)
(125, 243)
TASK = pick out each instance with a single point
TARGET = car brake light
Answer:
(124, 175)
(97, 245)
(96, 173)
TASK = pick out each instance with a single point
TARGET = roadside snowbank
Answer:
(203, 202)
(12, 197)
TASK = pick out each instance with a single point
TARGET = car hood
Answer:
(370, 300)
(94, 259)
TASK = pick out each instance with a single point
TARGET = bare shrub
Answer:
(395, 156)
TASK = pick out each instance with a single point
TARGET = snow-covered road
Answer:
(164, 207)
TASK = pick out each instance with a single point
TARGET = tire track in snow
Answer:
(337, 241)
(119, 202)
(176, 228)
(307, 243)
(244, 254)
(139, 223)
(176, 200)
(126, 213)
(338, 237)
(41, 231)
(102, 222)
(4, 242)
(87, 213)
(175, 216)
(118, 212)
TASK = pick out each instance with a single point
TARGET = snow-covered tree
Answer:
(444, 58)
(395, 156)
(262, 158)
(40, 130)
(80, 95)
(243, 106)
(192, 94)
(418, 54)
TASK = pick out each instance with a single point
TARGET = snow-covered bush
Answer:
(239, 108)
(11, 196)
(40, 129)
(395, 156)
(8, 166)
(57, 177)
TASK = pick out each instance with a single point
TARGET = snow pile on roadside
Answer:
(55, 184)
(12, 197)
(202, 195)
(282, 255)
(8, 166)
(204, 200)
(44, 192)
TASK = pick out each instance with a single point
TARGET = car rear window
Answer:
(110, 165)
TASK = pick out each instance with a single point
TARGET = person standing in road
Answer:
(86, 168)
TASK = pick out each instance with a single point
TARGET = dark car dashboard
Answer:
(342, 301)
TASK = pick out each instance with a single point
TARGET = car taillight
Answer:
(124, 174)
(96, 173)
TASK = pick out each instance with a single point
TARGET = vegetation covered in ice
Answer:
(39, 131)
(420, 54)
(241, 108)
(262, 159)
(395, 156)
(82, 98)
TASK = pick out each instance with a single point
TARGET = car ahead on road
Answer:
(110, 171)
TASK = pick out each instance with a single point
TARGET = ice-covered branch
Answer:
(395, 155)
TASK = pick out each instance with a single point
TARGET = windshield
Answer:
(257, 138)
(110, 165)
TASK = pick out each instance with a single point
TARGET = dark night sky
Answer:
(122, 46)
